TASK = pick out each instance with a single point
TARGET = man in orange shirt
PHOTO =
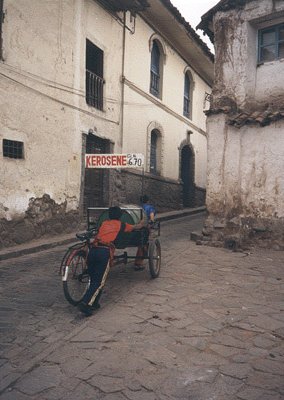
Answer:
(99, 257)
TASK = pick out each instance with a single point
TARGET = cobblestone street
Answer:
(210, 327)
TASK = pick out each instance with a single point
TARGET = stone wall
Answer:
(44, 217)
(199, 196)
(164, 193)
(243, 232)
(126, 188)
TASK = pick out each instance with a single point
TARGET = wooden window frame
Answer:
(275, 43)
(155, 77)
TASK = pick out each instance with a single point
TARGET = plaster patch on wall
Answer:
(44, 208)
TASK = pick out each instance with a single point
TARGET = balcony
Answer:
(94, 90)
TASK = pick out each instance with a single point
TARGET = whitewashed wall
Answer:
(43, 96)
(43, 104)
(141, 108)
(237, 75)
(245, 169)
(246, 164)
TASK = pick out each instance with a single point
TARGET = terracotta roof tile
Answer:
(257, 117)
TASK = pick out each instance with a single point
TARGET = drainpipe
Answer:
(2, 15)
(122, 82)
(79, 137)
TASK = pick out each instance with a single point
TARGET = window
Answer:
(155, 148)
(94, 75)
(153, 152)
(271, 43)
(13, 149)
(155, 70)
(187, 95)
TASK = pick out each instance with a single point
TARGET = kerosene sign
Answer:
(114, 160)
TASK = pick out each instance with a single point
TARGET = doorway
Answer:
(187, 176)
(95, 179)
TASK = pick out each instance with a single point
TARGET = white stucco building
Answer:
(86, 76)
(245, 190)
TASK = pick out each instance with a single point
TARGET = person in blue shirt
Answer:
(148, 208)
(151, 213)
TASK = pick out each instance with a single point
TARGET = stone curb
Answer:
(34, 248)
(179, 214)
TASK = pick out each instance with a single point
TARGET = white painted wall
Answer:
(43, 96)
(245, 165)
(245, 174)
(43, 104)
(237, 74)
(141, 108)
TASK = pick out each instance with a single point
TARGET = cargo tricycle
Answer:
(74, 268)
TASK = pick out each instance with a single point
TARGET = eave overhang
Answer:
(206, 24)
(125, 5)
(167, 20)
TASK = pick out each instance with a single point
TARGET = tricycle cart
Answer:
(74, 269)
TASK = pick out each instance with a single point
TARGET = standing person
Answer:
(151, 213)
(148, 208)
(100, 255)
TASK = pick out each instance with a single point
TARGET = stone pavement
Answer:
(211, 327)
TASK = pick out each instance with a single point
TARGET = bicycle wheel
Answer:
(75, 278)
(154, 254)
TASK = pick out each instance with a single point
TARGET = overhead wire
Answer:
(57, 85)
(59, 101)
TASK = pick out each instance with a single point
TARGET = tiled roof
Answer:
(257, 117)
(240, 119)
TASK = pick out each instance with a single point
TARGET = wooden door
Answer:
(187, 176)
(94, 177)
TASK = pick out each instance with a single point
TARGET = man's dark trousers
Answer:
(97, 262)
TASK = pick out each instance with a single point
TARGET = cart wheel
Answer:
(75, 278)
(154, 258)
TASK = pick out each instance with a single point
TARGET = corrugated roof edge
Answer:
(168, 4)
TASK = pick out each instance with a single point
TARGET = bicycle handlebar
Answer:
(85, 236)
